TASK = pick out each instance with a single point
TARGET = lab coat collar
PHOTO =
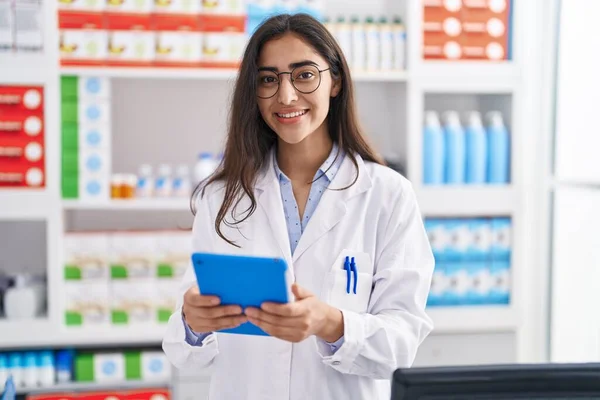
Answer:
(331, 208)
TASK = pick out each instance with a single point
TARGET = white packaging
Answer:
(132, 301)
(6, 28)
(399, 44)
(173, 253)
(45, 368)
(343, 35)
(165, 298)
(178, 46)
(155, 367)
(83, 5)
(91, 88)
(25, 300)
(229, 7)
(86, 257)
(87, 303)
(359, 43)
(30, 373)
(181, 183)
(178, 6)
(164, 181)
(132, 46)
(133, 255)
(204, 167)
(28, 26)
(459, 284)
(96, 162)
(94, 136)
(109, 367)
(145, 182)
(223, 47)
(83, 44)
(15, 368)
(130, 6)
(386, 47)
(373, 45)
(94, 112)
(93, 187)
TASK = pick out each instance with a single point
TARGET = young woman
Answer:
(299, 181)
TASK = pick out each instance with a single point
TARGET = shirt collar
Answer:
(327, 171)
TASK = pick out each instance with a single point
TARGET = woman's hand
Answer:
(203, 314)
(297, 321)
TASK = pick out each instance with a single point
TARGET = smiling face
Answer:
(292, 114)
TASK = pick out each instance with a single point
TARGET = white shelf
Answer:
(473, 319)
(24, 69)
(467, 76)
(206, 73)
(25, 204)
(466, 201)
(44, 333)
(177, 204)
(93, 386)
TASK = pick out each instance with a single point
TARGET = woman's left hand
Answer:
(300, 319)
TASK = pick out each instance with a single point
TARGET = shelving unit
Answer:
(84, 386)
(391, 106)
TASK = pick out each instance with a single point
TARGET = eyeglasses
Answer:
(305, 79)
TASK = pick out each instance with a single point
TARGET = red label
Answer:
(22, 98)
(222, 23)
(127, 22)
(186, 23)
(80, 20)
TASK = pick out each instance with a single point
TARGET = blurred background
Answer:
(112, 110)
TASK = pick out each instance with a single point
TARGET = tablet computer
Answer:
(246, 281)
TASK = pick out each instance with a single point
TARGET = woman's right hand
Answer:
(203, 314)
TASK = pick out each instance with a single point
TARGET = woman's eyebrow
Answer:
(292, 65)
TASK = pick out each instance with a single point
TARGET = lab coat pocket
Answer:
(342, 294)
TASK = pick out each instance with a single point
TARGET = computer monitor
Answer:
(499, 382)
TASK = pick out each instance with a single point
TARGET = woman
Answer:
(299, 181)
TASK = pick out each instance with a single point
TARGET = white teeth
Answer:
(292, 115)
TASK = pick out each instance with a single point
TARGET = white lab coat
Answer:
(378, 222)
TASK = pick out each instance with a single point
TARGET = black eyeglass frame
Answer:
(290, 73)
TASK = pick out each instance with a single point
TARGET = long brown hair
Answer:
(250, 139)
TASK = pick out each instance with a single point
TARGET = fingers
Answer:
(273, 319)
(201, 325)
(299, 292)
(193, 297)
(218, 312)
(281, 332)
(295, 309)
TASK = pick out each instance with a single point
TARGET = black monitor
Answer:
(499, 382)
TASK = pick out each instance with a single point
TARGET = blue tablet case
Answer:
(242, 280)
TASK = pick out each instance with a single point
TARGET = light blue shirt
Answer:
(295, 224)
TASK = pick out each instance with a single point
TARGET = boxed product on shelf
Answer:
(474, 30)
(22, 138)
(118, 367)
(178, 7)
(87, 303)
(82, 38)
(28, 27)
(223, 40)
(178, 40)
(472, 261)
(82, 5)
(130, 6)
(131, 39)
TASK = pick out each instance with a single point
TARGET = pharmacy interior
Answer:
(112, 111)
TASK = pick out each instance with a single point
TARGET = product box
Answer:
(132, 301)
(131, 40)
(94, 136)
(82, 5)
(22, 99)
(92, 187)
(93, 112)
(130, 6)
(501, 282)
(165, 300)
(178, 40)
(7, 26)
(439, 238)
(21, 124)
(439, 286)
(28, 32)
(501, 239)
(86, 257)
(223, 41)
(133, 255)
(86, 303)
(99, 367)
(83, 39)
(459, 284)
(173, 253)
(155, 366)
(480, 282)
(91, 88)
(227, 7)
(94, 174)
(460, 239)
(182, 7)
(480, 244)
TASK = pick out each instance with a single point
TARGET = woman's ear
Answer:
(336, 87)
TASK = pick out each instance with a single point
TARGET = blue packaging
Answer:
(433, 150)
(438, 238)
(455, 149)
(64, 366)
(479, 282)
(500, 287)
(15, 367)
(10, 391)
(458, 284)
(439, 286)
(477, 152)
(498, 150)
(501, 239)
(480, 243)
(459, 236)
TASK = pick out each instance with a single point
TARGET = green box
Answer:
(118, 271)
(70, 187)
(133, 365)
(73, 319)
(69, 88)
(84, 367)
(164, 271)
(70, 164)
(119, 317)
(70, 136)
(69, 112)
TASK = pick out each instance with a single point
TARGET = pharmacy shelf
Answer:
(25, 204)
(473, 319)
(72, 387)
(24, 69)
(467, 201)
(176, 204)
(46, 333)
(206, 73)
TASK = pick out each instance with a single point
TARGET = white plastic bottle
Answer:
(358, 45)
(45, 368)
(164, 182)
(181, 182)
(343, 35)
(30, 373)
(3, 370)
(145, 183)
(373, 41)
(15, 368)
(399, 44)
(25, 300)
(204, 167)
(386, 45)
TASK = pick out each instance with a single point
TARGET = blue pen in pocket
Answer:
(348, 270)
(354, 272)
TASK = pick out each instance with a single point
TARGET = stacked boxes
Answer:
(21, 28)
(472, 261)
(86, 146)
(22, 162)
(124, 278)
(148, 366)
(177, 33)
(466, 29)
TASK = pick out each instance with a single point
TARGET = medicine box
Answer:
(86, 303)
(82, 38)
(501, 239)
(131, 40)
(178, 40)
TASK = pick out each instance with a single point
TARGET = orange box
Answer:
(131, 40)
(178, 40)
(223, 40)
(83, 40)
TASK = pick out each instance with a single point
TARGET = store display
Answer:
(472, 154)
(473, 258)
(115, 367)
(467, 30)
(22, 137)
(86, 151)
(21, 28)
(26, 298)
(370, 45)
(123, 277)
(146, 33)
